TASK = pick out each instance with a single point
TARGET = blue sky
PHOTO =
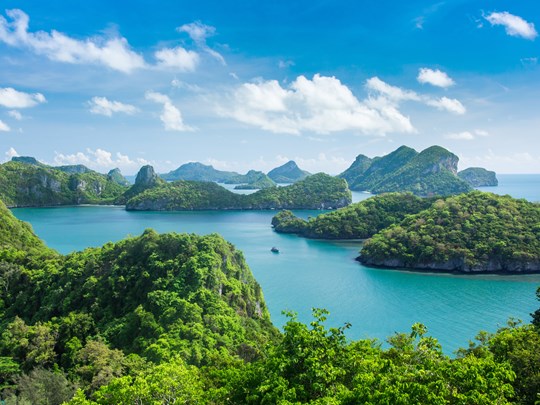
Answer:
(249, 85)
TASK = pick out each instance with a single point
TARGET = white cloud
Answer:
(4, 127)
(179, 84)
(11, 152)
(199, 32)
(113, 52)
(392, 92)
(103, 106)
(462, 136)
(434, 77)
(170, 115)
(514, 25)
(283, 64)
(449, 104)
(11, 98)
(100, 160)
(15, 114)
(467, 135)
(178, 58)
(322, 105)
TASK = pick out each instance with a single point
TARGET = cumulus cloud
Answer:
(103, 106)
(170, 115)
(113, 52)
(178, 58)
(322, 105)
(449, 104)
(514, 25)
(11, 98)
(100, 160)
(434, 77)
(199, 32)
(4, 127)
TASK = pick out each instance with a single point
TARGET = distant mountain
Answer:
(196, 171)
(29, 160)
(256, 181)
(479, 177)
(288, 173)
(430, 172)
(354, 174)
(74, 169)
(366, 179)
(116, 176)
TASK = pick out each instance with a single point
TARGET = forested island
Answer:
(470, 233)
(473, 232)
(180, 319)
(319, 191)
(431, 172)
(357, 221)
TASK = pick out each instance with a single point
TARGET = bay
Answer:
(322, 274)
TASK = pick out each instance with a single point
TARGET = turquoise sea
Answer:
(309, 273)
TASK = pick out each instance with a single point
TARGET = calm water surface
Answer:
(309, 273)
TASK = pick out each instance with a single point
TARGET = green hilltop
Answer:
(430, 172)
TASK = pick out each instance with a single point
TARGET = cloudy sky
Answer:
(245, 84)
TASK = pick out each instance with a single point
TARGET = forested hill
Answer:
(430, 172)
(357, 221)
(24, 184)
(119, 309)
(319, 191)
(472, 232)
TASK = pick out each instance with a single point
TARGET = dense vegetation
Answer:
(288, 173)
(106, 312)
(254, 181)
(318, 191)
(161, 319)
(470, 232)
(430, 172)
(479, 177)
(30, 185)
(357, 221)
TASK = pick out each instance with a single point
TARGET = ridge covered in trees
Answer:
(431, 172)
(357, 221)
(319, 191)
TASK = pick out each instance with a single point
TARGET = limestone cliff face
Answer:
(146, 177)
(492, 265)
(448, 163)
(479, 177)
